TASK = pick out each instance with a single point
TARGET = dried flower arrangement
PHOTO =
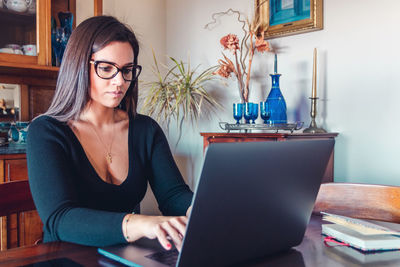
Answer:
(252, 40)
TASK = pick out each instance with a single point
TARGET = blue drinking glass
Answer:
(237, 112)
(248, 111)
(265, 112)
(254, 114)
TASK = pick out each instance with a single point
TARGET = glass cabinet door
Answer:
(18, 31)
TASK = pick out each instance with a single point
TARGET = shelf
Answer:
(17, 17)
(28, 69)
(28, 74)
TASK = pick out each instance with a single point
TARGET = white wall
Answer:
(358, 83)
(84, 10)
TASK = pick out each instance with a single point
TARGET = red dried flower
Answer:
(225, 68)
(230, 42)
(261, 44)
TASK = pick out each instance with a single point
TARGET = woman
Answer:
(91, 155)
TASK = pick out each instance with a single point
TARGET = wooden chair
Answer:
(364, 201)
(16, 198)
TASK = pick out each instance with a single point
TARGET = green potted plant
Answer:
(178, 95)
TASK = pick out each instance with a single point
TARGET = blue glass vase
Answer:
(60, 35)
(276, 102)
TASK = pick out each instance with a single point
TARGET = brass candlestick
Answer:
(313, 125)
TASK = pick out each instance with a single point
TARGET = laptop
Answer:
(253, 199)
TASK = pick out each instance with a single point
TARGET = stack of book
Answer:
(364, 235)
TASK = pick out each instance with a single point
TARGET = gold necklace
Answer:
(108, 153)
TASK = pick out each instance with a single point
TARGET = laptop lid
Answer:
(253, 199)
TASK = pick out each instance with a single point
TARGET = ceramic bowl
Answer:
(17, 5)
(16, 49)
(13, 46)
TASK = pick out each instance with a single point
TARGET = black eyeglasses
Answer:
(108, 70)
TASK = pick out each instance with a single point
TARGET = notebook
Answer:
(362, 258)
(360, 241)
(365, 227)
(253, 199)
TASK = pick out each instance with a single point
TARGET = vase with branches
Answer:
(243, 51)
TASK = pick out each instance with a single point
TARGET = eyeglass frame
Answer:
(96, 62)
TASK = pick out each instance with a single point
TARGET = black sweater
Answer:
(75, 204)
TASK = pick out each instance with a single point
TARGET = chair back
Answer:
(15, 197)
(363, 201)
(20, 223)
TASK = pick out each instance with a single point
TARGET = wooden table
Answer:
(311, 252)
(209, 138)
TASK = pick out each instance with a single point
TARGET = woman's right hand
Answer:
(164, 228)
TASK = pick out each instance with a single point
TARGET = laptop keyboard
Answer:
(167, 257)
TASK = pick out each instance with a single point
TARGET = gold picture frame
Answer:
(287, 23)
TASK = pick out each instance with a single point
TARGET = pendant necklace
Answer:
(108, 152)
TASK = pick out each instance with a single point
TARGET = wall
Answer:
(84, 10)
(358, 67)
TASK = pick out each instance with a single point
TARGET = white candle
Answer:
(314, 80)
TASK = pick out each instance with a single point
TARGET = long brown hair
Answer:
(72, 89)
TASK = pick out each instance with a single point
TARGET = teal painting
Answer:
(287, 11)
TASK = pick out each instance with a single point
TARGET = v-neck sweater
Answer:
(75, 204)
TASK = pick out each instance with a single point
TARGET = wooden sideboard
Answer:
(209, 138)
(24, 228)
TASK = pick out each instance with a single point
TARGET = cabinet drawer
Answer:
(15, 170)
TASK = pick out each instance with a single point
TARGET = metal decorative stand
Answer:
(313, 125)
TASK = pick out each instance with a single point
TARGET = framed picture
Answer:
(288, 17)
